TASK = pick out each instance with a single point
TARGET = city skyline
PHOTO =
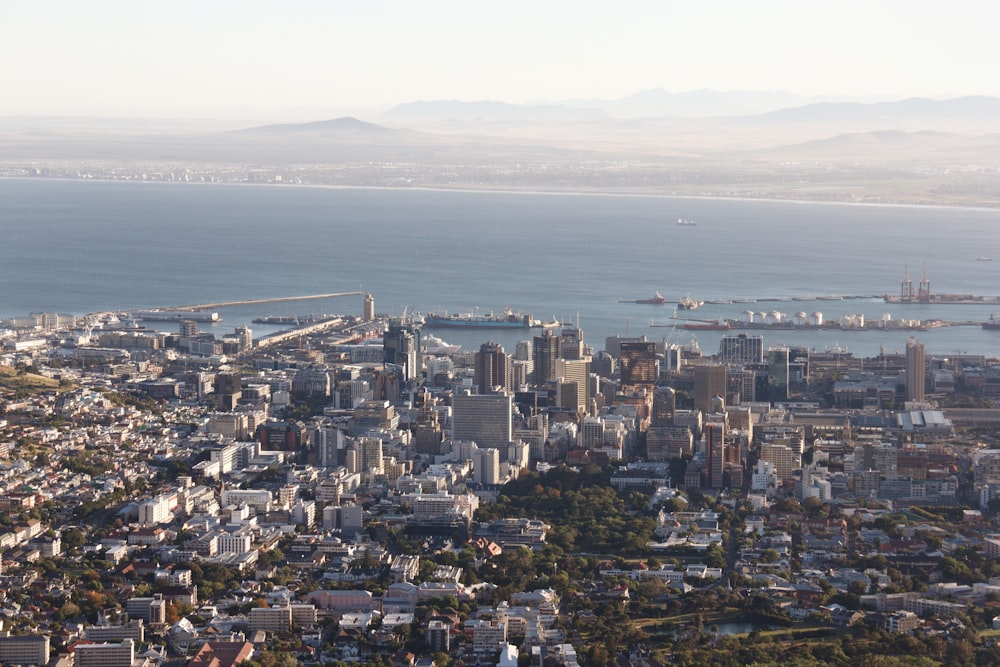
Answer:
(256, 60)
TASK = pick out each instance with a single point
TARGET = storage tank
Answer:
(816, 319)
(800, 319)
(746, 317)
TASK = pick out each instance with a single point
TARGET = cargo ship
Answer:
(687, 303)
(508, 320)
(721, 325)
(656, 300)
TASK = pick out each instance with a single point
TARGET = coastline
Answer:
(593, 192)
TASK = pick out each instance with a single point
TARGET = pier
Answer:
(250, 302)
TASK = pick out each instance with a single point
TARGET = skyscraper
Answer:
(715, 453)
(493, 368)
(709, 382)
(741, 349)
(545, 350)
(664, 407)
(777, 374)
(576, 371)
(482, 418)
(638, 365)
(914, 370)
(401, 347)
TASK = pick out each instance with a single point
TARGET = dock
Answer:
(250, 302)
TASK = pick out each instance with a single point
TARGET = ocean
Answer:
(80, 246)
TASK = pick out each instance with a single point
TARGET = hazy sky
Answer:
(216, 58)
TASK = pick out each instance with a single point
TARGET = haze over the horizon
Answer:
(306, 60)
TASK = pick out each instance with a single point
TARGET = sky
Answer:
(281, 61)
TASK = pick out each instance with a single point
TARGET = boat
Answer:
(684, 222)
(984, 259)
(687, 303)
(656, 300)
(431, 344)
(507, 320)
(720, 325)
(992, 324)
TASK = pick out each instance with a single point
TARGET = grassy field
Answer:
(12, 380)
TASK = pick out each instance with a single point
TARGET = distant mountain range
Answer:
(707, 127)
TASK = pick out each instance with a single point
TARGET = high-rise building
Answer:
(777, 374)
(572, 343)
(401, 347)
(741, 349)
(576, 371)
(715, 453)
(783, 458)
(638, 365)
(709, 382)
(664, 407)
(228, 390)
(915, 369)
(544, 352)
(492, 368)
(482, 418)
(368, 309)
(487, 466)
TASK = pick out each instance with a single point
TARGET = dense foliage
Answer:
(586, 514)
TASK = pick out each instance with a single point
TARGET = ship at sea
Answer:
(507, 320)
(720, 325)
(431, 344)
(684, 222)
(992, 324)
(656, 300)
(687, 303)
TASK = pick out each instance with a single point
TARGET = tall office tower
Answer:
(245, 336)
(401, 347)
(545, 350)
(572, 343)
(638, 365)
(664, 407)
(369, 455)
(576, 371)
(777, 374)
(784, 459)
(673, 357)
(487, 466)
(228, 390)
(914, 370)
(368, 309)
(603, 364)
(709, 382)
(715, 453)
(668, 442)
(188, 328)
(523, 350)
(427, 432)
(482, 418)
(492, 369)
(741, 349)
(520, 374)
